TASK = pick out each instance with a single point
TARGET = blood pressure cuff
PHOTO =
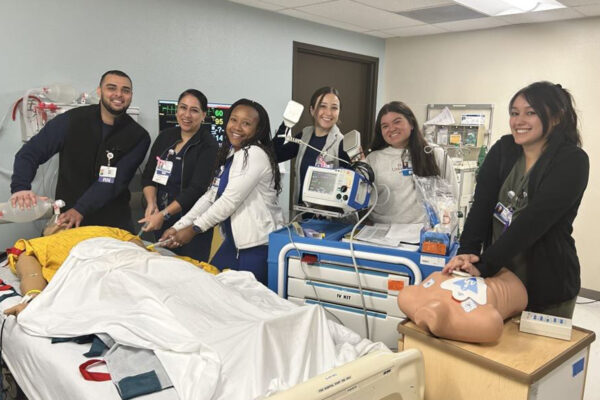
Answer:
(136, 372)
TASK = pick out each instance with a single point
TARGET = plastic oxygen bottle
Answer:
(9, 213)
(60, 93)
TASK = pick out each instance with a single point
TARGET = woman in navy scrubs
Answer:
(178, 172)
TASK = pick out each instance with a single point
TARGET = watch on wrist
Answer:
(166, 215)
(197, 229)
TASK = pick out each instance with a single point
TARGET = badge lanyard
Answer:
(107, 173)
(505, 213)
(163, 169)
(321, 161)
(406, 164)
(214, 186)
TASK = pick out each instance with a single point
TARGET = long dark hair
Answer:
(553, 104)
(262, 139)
(423, 163)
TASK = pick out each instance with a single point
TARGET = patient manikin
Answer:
(465, 308)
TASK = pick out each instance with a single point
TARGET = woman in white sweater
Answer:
(398, 151)
(243, 197)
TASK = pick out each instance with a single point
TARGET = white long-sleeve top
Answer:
(250, 199)
(398, 200)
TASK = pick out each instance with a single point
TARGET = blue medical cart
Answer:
(285, 243)
(321, 271)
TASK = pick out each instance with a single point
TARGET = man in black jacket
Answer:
(99, 147)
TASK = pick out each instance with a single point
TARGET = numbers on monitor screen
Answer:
(215, 117)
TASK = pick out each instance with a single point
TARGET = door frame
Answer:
(372, 64)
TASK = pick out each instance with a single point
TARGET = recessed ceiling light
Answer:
(507, 7)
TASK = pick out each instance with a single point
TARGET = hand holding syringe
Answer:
(162, 243)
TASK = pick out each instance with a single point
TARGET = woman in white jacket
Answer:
(398, 150)
(243, 197)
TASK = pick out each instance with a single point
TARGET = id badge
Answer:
(503, 214)
(322, 163)
(406, 168)
(214, 187)
(162, 171)
(107, 174)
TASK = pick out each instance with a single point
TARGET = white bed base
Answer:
(376, 376)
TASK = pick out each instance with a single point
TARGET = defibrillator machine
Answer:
(340, 188)
(344, 190)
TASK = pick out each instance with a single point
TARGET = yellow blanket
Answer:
(51, 251)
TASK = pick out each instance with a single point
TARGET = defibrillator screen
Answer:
(322, 182)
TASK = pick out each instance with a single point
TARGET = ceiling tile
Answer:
(359, 14)
(322, 20)
(404, 5)
(378, 17)
(416, 30)
(472, 24)
(258, 4)
(589, 10)
(294, 3)
(542, 16)
(572, 3)
(436, 15)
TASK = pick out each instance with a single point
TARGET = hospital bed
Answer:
(49, 371)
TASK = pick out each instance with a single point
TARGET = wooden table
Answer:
(518, 366)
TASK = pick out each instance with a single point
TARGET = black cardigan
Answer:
(198, 163)
(542, 231)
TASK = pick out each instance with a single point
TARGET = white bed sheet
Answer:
(31, 358)
(46, 371)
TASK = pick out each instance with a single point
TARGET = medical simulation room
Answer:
(299, 199)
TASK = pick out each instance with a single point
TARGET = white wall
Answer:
(224, 49)
(489, 66)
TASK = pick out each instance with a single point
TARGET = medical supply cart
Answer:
(309, 270)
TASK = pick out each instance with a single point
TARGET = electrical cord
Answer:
(354, 263)
(366, 171)
(306, 274)
(290, 138)
(3, 120)
(588, 302)
(1, 359)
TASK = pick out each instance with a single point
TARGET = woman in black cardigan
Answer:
(178, 172)
(528, 192)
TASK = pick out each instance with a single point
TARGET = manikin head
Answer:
(474, 312)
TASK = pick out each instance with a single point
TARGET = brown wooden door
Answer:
(354, 75)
